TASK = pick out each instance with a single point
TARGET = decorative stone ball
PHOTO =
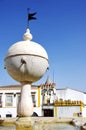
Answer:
(26, 61)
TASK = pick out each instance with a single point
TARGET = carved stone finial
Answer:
(27, 35)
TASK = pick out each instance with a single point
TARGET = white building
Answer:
(73, 103)
(47, 101)
(9, 97)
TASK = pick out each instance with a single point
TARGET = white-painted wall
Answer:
(71, 94)
(84, 111)
(5, 111)
(38, 110)
(69, 111)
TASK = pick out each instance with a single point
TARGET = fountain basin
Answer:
(29, 71)
(38, 123)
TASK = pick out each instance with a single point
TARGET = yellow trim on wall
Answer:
(39, 96)
(81, 108)
(55, 111)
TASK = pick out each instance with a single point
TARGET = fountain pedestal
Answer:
(25, 106)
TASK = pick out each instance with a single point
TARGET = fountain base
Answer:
(24, 123)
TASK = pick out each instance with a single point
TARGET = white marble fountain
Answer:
(26, 62)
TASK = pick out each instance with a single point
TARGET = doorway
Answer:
(48, 113)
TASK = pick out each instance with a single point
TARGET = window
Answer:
(9, 99)
(8, 115)
(33, 99)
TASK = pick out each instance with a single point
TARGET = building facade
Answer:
(70, 103)
(47, 101)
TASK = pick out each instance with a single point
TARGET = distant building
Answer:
(70, 103)
(47, 101)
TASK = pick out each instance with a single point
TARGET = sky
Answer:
(60, 28)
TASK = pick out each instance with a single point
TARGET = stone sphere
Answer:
(26, 61)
